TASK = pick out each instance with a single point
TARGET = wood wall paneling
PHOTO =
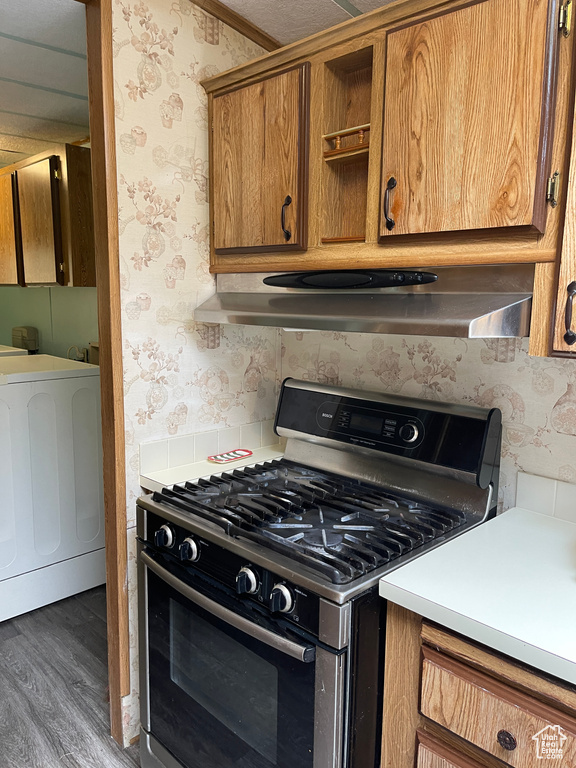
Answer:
(8, 262)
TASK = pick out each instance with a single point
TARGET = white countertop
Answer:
(156, 480)
(510, 584)
(41, 367)
(10, 351)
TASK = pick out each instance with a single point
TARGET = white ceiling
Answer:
(43, 76)
(293, 20)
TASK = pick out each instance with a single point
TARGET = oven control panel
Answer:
(245, 579)
(461, 437)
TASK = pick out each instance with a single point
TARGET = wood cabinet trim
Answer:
(566, 271)
(239, 23)
(10, 272)
(548, 115)
(491, 685)
(401, 687)
(376, 21)
(55, 176)
(532, 682)
(444, 751)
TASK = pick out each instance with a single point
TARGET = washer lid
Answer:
(20, 368)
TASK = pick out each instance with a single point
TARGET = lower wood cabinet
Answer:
(434, 754)
(450, 703)
(503, 721)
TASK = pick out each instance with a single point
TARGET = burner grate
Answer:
(340, 527)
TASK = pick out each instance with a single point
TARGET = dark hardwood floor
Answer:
(53, 688)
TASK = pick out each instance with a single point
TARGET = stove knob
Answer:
(281, 599)
(246, 582)
(189, 551)
(409, 433)
(164, 536)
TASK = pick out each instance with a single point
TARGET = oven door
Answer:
(224, 686)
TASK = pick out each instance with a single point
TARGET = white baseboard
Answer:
(43, 586)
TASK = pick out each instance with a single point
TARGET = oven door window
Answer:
(220, 698)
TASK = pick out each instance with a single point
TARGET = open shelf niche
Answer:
(346, 145)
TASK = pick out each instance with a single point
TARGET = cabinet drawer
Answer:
(434, 754)
(490, 714)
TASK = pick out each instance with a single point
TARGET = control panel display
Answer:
(440, 437)
(369, 426)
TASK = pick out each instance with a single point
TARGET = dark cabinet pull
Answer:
(287, 233)
(569, 336)
(390, 223)
(506, 740)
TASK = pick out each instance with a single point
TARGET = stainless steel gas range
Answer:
(261, 629)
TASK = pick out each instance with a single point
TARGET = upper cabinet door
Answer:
(39, 213)
(468, 119)
(9, 272)
(260, 164)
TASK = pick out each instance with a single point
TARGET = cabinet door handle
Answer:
(569, 336)
(506, 740)
(286, 203)
(390, 223)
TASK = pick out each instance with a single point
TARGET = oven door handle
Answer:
(305, 653)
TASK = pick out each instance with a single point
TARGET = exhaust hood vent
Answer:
(470, 302)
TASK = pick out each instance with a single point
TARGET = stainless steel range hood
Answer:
(473, 302)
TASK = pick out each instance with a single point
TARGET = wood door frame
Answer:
(105, 200)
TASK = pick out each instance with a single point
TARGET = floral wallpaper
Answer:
(183, 377)
(180, 377)
(537, 396)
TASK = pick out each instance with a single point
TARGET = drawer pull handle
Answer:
(506, 740)
(569, 336)
(390, 223)
(286, 203)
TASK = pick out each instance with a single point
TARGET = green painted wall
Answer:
(63, 316)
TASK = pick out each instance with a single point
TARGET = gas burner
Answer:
(338, 526)
(319, 539)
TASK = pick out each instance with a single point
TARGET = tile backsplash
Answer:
(188, 449)
(537, 396)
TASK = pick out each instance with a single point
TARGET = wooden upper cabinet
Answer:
(9, 272)
(39, 216)
(468, 108)
(52, 218)
(260, 164)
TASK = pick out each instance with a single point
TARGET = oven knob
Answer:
(246, 582)
(281, 599)
(409, 433)
(189, 551)
(164, 536)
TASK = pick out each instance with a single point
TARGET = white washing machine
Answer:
(52, 508)
(10, 351)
